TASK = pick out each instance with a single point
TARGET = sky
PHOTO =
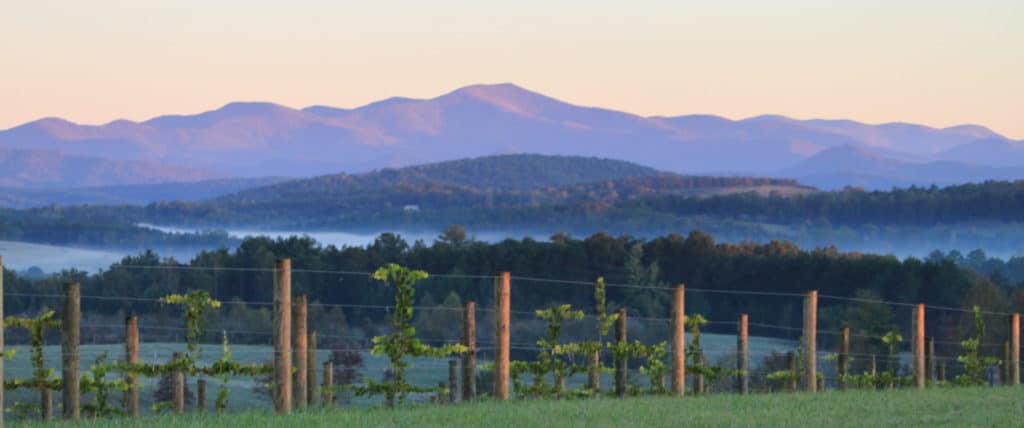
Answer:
(939, 63)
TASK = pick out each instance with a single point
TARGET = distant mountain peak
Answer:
(506, 96)
(232, 110)
(252, 107)
(493, 88)
(769, 118)
(976, 131)
(326, 111)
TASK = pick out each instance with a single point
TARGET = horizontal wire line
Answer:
(587, 283)
(736, 292)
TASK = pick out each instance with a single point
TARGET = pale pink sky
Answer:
(935, 62)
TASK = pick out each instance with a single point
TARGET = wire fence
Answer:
(348, 309)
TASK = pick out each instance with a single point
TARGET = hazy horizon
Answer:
(940, 64)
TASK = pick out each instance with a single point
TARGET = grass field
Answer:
(974, 407)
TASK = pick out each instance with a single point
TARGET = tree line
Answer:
(463, 268)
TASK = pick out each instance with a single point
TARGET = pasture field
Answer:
(959, 407)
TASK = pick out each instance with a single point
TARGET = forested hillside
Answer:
(518, 171)
(922, 206)
(520, 194)
(632, 205)
(466, 191)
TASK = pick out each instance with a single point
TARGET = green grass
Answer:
(973, 407)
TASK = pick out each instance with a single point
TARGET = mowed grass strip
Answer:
(963, 407)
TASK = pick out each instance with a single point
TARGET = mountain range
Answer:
(56, 169)
(254, 139)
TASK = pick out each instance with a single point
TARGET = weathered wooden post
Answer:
(843, 362)
(201, 395)
(742, 356)
(179, 387)
(71, 335)
(1015, 349)
(873, 367)
(469, 357)
(810, 341)
(794, 374)
(1004, 369)
(678, 340)
(46, 403)
(919, 378)
(283, 336)
(503, 313)
(311, 370)
(453, 380)
(328, 395)
(301, 351)
(929, 367)
(621, 364)
(131, 345)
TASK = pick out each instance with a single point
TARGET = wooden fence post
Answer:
(1004, 370)
(791, 362)
(453, 380)
(469, 357)
(842, 363)
(621, 361)
(283, 336)
(131, 396)
(201, 395)
(46, 404)
(918, 345)
(742, 356)
(502, 303)
(929, 366)
(679, 340)
(811, 341)
(328, 394)
(179, 387)
(311, 370)
(1015, 349)
(301, 350)
(71, 335)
